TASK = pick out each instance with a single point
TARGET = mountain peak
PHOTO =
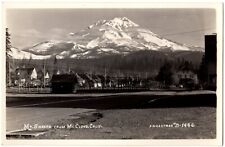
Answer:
(117, 23)
(124, 21)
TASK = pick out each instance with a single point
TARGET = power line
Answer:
(186, 32)
(172, 34)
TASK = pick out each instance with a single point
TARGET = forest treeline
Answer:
(142, 63)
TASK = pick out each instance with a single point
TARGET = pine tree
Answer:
(186, 66)
(165, 74)
(8, 49)
(55, 69)
(202, 73)
(30, 61)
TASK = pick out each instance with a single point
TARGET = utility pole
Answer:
(9, 74)
(44, 73)
(105, 78)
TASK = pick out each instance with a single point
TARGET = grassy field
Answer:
(135, 124)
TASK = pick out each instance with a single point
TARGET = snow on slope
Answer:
(108, 50)
(116, 23)
(161, 42)
(43, 46)
(93, 43)
(17, 54)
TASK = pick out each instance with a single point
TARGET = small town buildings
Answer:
(24, 76)
(31, 77)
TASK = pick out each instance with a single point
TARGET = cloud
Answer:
(25, 38)
(29, 37)
(28, 33)
(57, 34)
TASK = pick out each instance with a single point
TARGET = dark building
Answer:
(211, 60)
(64, 83)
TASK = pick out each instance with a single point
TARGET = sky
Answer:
(31, 26)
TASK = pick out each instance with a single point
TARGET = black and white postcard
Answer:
(143, 73)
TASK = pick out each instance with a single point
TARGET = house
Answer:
(136, 81)
(63, 83)
(84, 80)
(97, 81)
(105, 80)
(114, 81)
(81, 82)
(58, 72)
(121, 82)
(44, 77)
(185, 78)
(33, 75)
(25, 75)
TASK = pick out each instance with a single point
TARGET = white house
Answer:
(46, 75)
(33, 75)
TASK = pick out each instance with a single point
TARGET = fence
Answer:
(28, 90)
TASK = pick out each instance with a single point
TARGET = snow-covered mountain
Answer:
(105, 37)
(19, 54)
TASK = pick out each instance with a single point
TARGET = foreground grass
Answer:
(134, 124)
